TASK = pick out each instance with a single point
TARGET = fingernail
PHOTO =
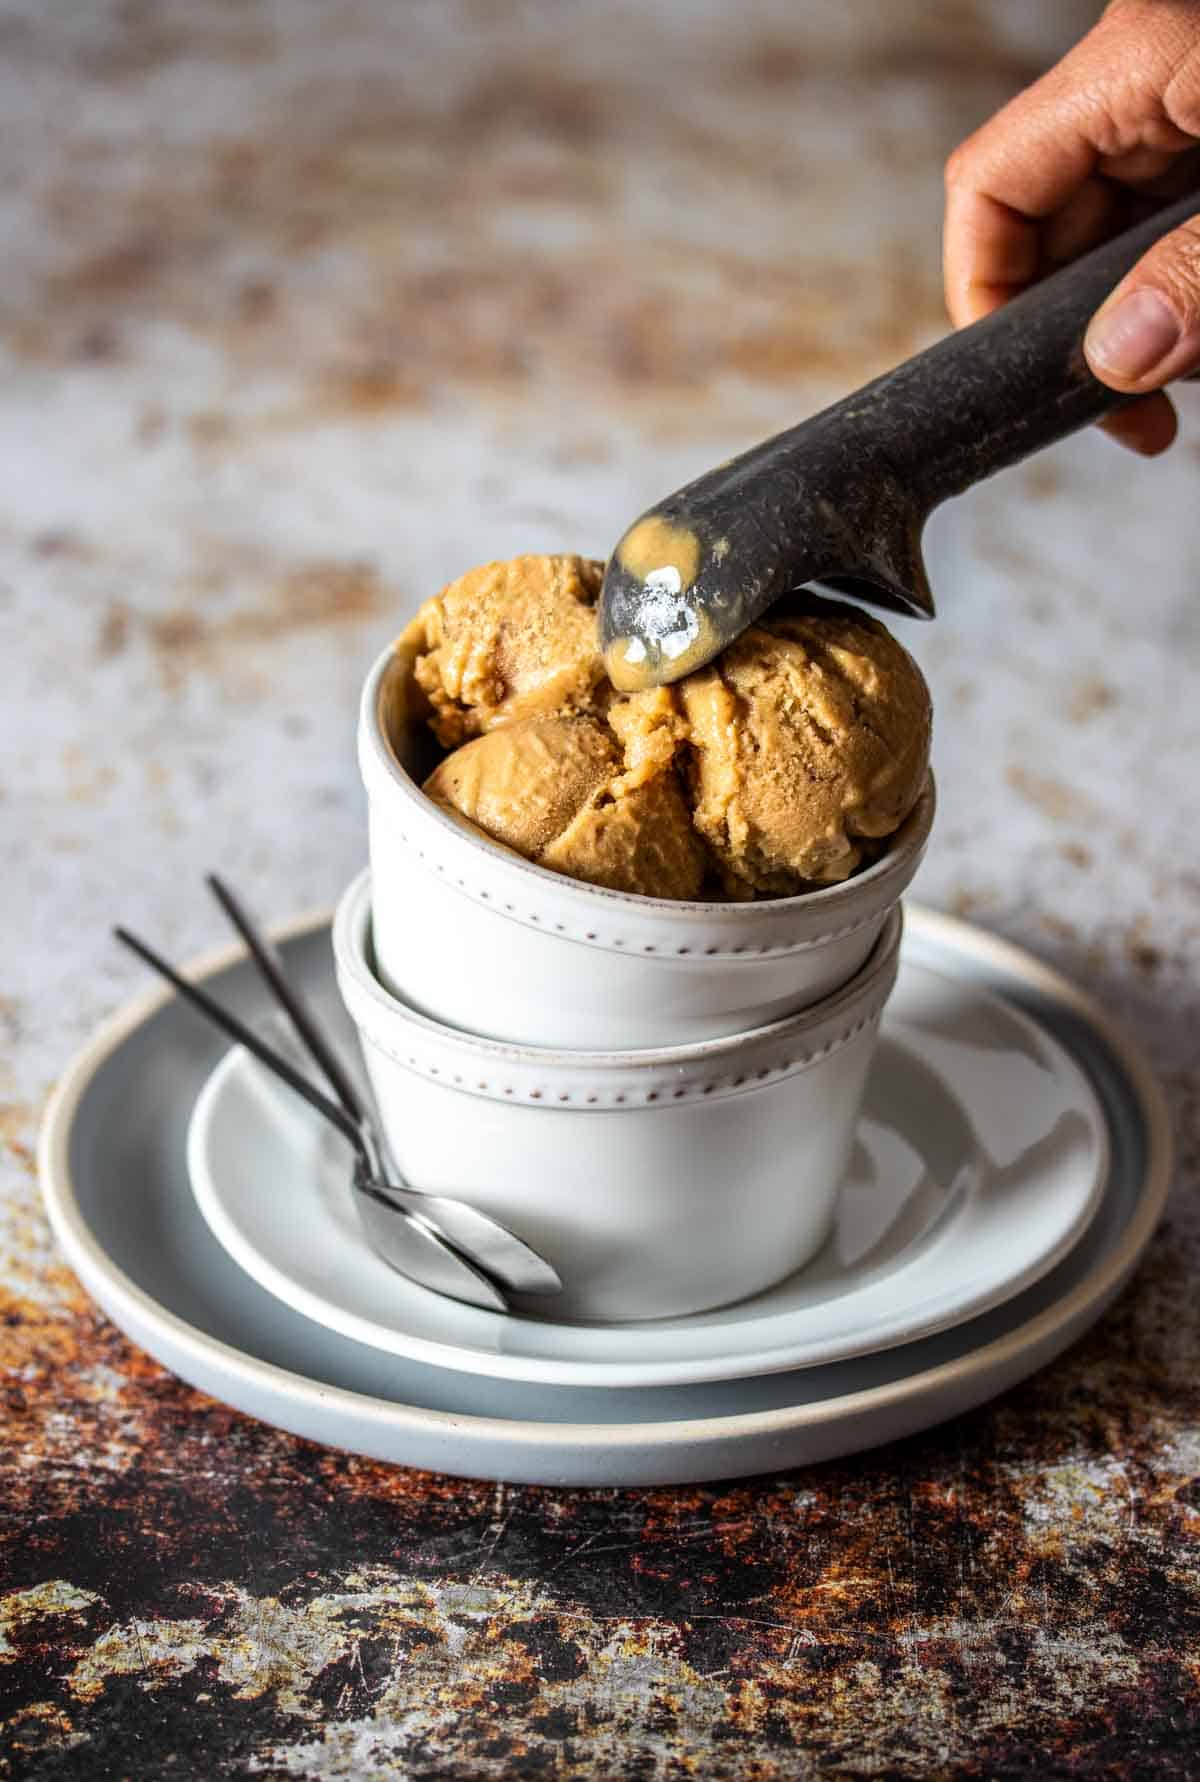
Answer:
(1135, 335)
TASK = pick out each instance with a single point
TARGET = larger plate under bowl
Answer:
(113, 1165)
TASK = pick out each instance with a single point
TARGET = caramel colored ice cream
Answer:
(770, 772)
(555, 790)
(809, 735)
(509, 640)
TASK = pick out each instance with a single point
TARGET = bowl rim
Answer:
(831, 1021)
(841, 902)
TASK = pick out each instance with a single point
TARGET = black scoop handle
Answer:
(842, 498)
(989, 395)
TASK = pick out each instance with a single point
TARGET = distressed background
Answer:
(305, 308)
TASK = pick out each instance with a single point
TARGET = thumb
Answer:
(1148, 331)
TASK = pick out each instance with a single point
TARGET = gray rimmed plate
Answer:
(114, 1173)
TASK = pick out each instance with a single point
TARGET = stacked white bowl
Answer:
(658, 1096)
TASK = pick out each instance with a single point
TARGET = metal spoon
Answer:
(842, 498)
(412, 1245)
(389, 1212)
(482, 1240)
(434, 1239)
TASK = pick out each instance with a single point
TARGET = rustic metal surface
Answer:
(305, 308)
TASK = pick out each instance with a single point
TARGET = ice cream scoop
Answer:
(841, 499)
(808, 741)
(557, 791)
(508, 640)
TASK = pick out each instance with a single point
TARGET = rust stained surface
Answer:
(306, 309)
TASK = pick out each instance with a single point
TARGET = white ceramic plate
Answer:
(113, 1167)
(979, 1162)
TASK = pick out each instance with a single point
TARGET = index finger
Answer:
(1038, 154)
(1022, 166)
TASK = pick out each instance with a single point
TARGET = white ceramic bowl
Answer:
(658, 1182)
(472, 934)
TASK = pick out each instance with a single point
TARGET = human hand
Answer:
(1102, 139)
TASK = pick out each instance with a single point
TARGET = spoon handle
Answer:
(237, 1030)
(267, 959)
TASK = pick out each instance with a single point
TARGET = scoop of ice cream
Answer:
(807, 735)
(525, 783)
(554, 790)
(508, 641)
(638, 839)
